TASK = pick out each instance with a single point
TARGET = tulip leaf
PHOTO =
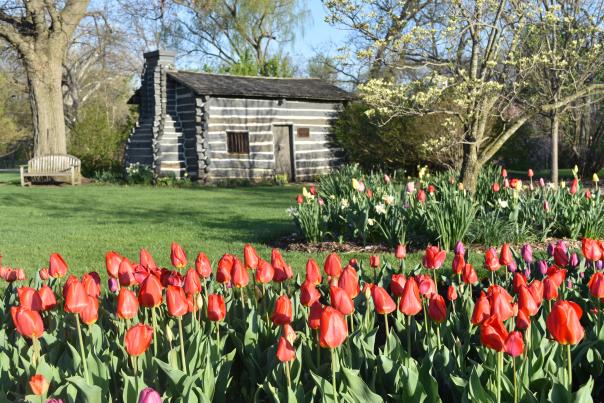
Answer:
(88, 393)
(583, 395)
(324, 386)
(223, 377)
(175, 376)
(559, 394)
(358, 388)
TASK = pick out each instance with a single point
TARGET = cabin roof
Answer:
(260, 87)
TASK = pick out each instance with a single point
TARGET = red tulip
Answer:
(451, 293)
(397, 284)
(127, 304)
(491, 262)
(216, 307)
(39, 385)
(563, 322)
(501, 303)
(70, 279)
(283, 271)
(504, 173)
(493, 333)
(239, 276)
(309, 293)
(138, 338)
(92, 287)
(126, 273)
(523, 321)
(536, 289)
(178, 256)
(550, 289)
(57, 266)
(49, 301)
(574, 187)
(434, 257)
(192, 283)
(596, 285)
(458, 263)
(146, 260)
(176, 301)
(426, 285)
(482, 310)
(514, 345)
(349, 281)
(203, 266)
(518, 281)
(313, 273)
(374, 261)
(299, 199)
(112, 263)
(400, 252)
(250, 257)
(437, 309)
(341, 300)
(468, 275)
(150, 292)
(421, 196)
(264, 272)
(285, 350)
(283, 311)
(333, 265)
(90, 314)
(495, 187)
(289, 333)
(560, 255)
(43, 273)
(314, 316)
(333, 329)
(557, 275)
(591, 249)
(30, 299)
(76, 298)
(382, 301)
(410, 303)
(27, 322)
(505, 256)
(223, 272)
(526, 302)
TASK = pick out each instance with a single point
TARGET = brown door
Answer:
(283, 151)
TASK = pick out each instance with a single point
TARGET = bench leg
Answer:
(22, 171)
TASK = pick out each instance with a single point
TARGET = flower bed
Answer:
(363, 331)
(373, 207)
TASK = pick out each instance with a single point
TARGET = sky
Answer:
(318, 34)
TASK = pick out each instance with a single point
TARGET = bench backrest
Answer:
(53, 163)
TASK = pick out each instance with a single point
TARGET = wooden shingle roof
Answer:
(260, 87)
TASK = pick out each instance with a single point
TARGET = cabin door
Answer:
(284, 151)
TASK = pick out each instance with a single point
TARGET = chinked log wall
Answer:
(314, 155)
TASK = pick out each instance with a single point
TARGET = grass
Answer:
(83, 223)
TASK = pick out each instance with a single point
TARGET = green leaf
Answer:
(583, 395)
(88, 393)
(175, 376)
(358, 388)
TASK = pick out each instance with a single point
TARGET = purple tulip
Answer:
(53, 400)
(149, 395)
(599, 265)
(543, 267)
(550, 249)
(459, 248)
(410, 187)
(512, 267)
(574, 259)
(569, 284)
(527, 253)
(582, 274)
(113, 284)
(527, 273)
(541, 182)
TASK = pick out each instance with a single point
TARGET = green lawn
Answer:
(82, 223)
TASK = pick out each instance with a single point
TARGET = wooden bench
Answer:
(52, 166)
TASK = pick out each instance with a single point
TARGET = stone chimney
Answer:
(153, 82)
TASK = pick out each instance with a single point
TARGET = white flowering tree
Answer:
(466, 60)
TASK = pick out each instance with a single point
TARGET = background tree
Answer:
(40, 32)
(238, 35)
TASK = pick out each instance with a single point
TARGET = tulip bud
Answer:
(504, 172)
(149, 395)
(169, 334)
(43, 273)
(599, 265)
(541, 182)
(542, 267)
(530, 173)
(112, 284)
(527, 253)
(374, 261)
(459, 248)
(574, 259)
(199, 301)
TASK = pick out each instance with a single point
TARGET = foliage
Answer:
(137, 174)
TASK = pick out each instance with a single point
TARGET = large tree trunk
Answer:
(46, 99)
(555, 124)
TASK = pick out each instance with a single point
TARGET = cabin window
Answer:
(238, 142)
(303, 132)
